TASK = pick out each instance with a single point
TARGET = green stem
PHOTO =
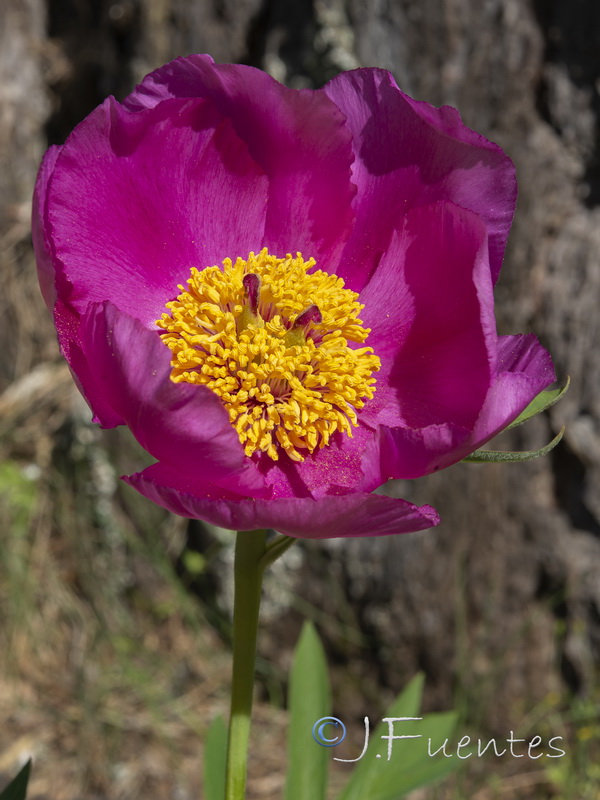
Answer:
(252, 556)
(250, 547)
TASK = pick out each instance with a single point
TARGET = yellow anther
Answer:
(270, 337)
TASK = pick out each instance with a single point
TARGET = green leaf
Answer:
(481, 456)
(215, 760)
(309, 701)
(17, 788)
(540, 403)
(406, 705)
(410, 766)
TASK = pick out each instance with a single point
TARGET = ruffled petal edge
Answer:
(333, 516)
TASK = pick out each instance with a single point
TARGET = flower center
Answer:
(270, 338)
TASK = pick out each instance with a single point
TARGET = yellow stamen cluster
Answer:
(285, 385)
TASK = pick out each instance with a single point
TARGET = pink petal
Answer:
(299, 138)
(356, 514)
(135, 200)
(346, 464)
(411, 453)
(41, 243)
(523, 353)
(430, 309)
(183, 425)
(524, 370)
(410, 154)
(84, 373)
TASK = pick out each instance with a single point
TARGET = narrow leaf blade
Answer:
(309, 701)
(483, 456)
(17, 788)
(215, 760)
(410, 766)
(407, 704)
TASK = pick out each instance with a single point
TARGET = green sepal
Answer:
(215, 760)
(540, 403)
(485, 456)
(309, 700)
(17, 788)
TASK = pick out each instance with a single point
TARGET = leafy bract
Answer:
(482, 456)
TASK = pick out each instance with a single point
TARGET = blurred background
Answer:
(114, 616)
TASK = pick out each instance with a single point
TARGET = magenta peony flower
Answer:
(286, 295)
